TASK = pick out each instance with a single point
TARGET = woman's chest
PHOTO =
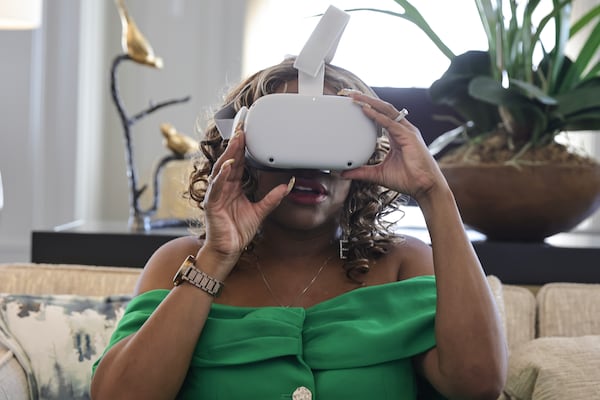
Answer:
(250, 287)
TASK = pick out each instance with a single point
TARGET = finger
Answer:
(371, 173)
(381, 119)
(217, 182)
(389, 115)
(235, 149)
(274, 198)
(235, 146)
(239, 148)
(381, 106)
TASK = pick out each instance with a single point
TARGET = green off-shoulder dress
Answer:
(355, 346)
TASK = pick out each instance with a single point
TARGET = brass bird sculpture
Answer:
(180, 144)
(133, 42)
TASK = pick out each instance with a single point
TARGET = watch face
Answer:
(178, 278)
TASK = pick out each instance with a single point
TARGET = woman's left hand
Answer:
(408, 168)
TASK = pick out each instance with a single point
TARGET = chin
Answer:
(302, 219)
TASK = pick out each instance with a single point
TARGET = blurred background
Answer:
(61, 142)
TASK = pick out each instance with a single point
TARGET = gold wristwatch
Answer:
(189, 273)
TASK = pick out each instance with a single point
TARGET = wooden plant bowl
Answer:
(528, 203)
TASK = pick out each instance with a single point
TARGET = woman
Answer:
(294, 319)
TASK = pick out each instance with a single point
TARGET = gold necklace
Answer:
(299, 295)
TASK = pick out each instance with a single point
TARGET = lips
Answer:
(308, 191)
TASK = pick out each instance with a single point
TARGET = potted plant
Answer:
(511, 178)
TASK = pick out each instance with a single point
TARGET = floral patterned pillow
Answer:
(57, 338)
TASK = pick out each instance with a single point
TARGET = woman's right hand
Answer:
(231, 219)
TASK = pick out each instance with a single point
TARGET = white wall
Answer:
(39, 110)
(61, 146)
(15, 144)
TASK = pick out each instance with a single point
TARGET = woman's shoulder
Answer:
(165, 262)
(414, 257)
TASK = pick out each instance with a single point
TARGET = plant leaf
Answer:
(528, 113)
(593, 73)
(411, 14)
(561, 33)
(584, 20)
(520, 115)
(554, 59)
(580, 99)
(588, 52)
(491, 91)
(583, 122)
(528, 45)
(488, 21)
(533, 92)
(527, 120)
(452, 89)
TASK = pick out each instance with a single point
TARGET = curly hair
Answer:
(362, 219)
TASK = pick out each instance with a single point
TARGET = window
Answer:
(383, 50)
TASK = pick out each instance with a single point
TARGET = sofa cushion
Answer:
(569, 309)
(497, 291)
(59, 337)
(555, 368)
(13, 381)
(520, 314)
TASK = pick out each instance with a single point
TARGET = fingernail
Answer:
(290, 185)
(362, 104)
(238, 131)
(348, 91)
(228, 163)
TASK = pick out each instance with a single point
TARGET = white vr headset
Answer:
(307, 130)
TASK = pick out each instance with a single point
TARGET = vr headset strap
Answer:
(310, 63)
(318, 50)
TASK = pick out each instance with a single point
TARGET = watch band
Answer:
(189, 273)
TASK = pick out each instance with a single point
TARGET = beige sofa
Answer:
(56, 319)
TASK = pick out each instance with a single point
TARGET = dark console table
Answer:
(568, 257)
(99, 243)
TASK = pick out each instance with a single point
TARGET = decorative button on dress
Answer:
(355, 346)
(302, 393)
